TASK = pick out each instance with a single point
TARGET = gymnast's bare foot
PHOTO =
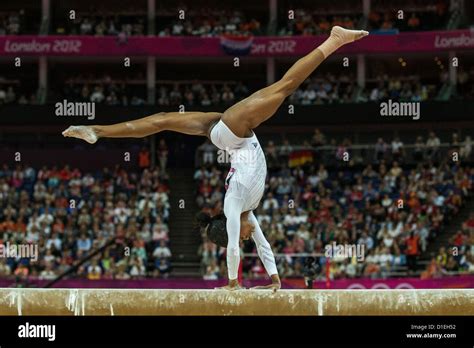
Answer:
(86, 133)
(345, 36)
(232, 286)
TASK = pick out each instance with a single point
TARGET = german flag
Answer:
(300, 157)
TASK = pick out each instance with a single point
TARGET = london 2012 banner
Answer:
(214, 47)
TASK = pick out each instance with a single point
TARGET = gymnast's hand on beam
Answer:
(275, 285)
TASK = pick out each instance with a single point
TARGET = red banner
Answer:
(431, 41)
(459, 282)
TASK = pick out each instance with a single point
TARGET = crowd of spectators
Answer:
(465, 84)
(317, 90)
(399, 89)
(95, 24)
(328, 89)
(197, 93)
(11, 23)
(312, 23)
(331, 89)
(393, 208)
(111, 91)
(105, 90)
(414, 16)
(385, 15)
(457, 256)
(206, 22)
(69, 214)
(9, 95)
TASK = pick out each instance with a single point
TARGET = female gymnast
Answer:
(232, 131)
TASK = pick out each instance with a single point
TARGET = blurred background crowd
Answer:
(403, 192)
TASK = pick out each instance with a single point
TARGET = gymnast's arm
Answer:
(265, 253)
(232, 209)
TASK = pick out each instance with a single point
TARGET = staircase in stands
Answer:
(184, 239)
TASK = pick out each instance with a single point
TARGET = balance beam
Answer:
(242, 302)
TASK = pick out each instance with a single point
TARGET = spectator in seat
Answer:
(86, 27)
(227, 95)
(84, 244)
(162, 154)
(442, 257)
(210, 273)
(432, 271)
(208, 152)
(163, 268)
(413, 22)
(162, 251)
(397, 149)
(466, 148)
(418, 152)
(144, 158)
(451, 266)
(412, 251)
(469, 224)
(22, 272)
(271, 154)
(380, 149)
(138, 269)
(258, 271)
(366, 240)
(318, 138)
(94, 272)
(399, 259)
(432, 144)
(372, 268)
(122, 274)
(48, 273)
(159, 233)
(270, 203)
(285, 151)
(467, 262)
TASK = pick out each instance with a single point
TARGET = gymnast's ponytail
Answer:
(203, 219)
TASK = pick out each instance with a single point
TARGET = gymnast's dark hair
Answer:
(215, 227)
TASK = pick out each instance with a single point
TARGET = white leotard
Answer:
(246, 178)
(245, 184)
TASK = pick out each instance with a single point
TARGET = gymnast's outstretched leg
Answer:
(192, 123)
(249, 113)
(241, 118)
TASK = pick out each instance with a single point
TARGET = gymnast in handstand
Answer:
(232, 131)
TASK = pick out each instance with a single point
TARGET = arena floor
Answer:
(243, 302)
